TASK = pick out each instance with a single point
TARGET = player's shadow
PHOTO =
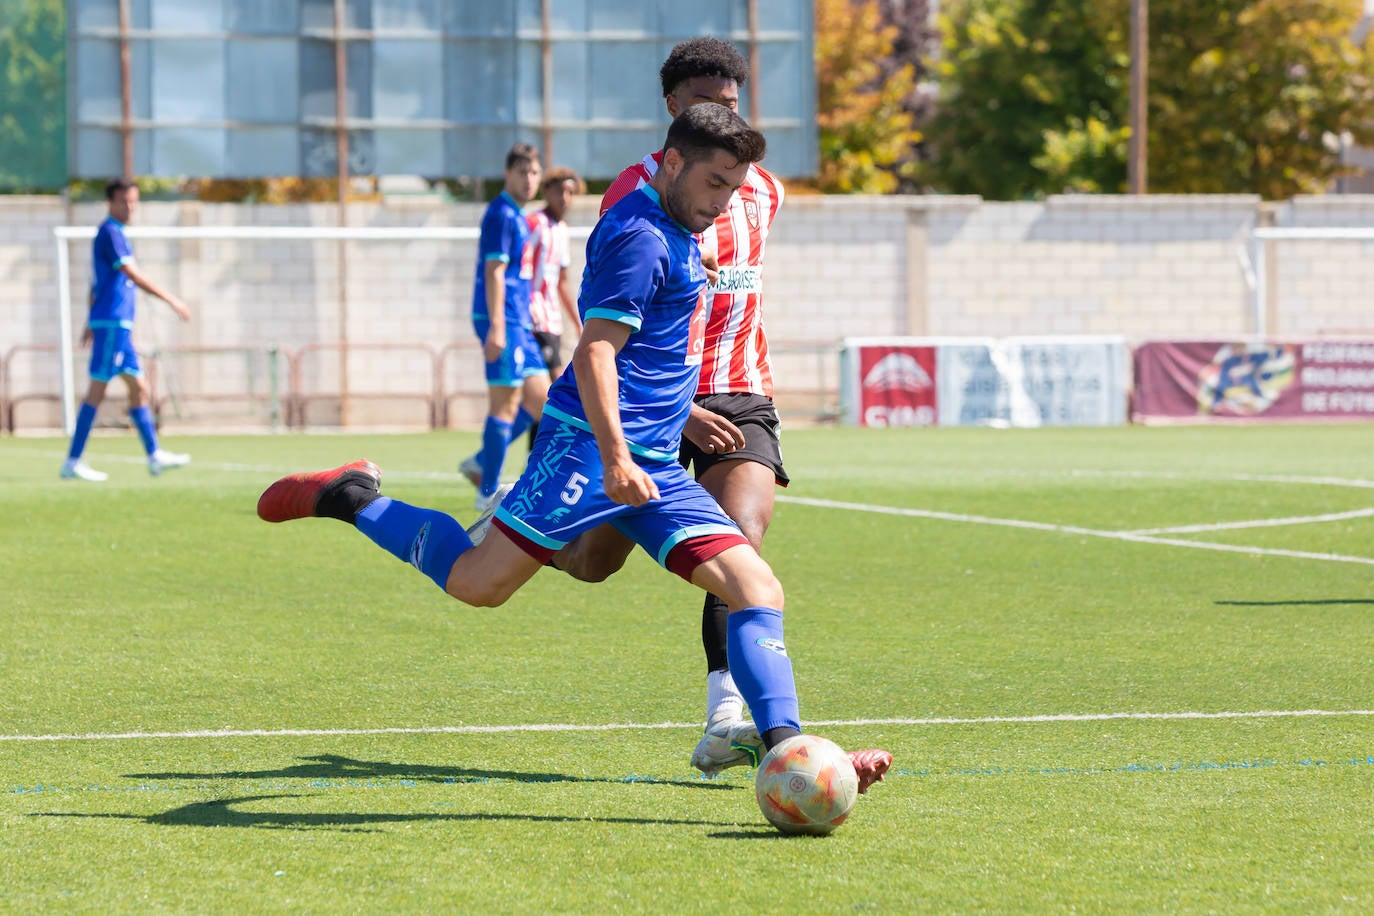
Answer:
(1297, 601)
(330, 768)
(224, 812)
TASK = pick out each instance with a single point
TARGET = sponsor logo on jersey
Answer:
(742, 279)
(898, 372)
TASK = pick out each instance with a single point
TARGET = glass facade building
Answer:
(437, 88)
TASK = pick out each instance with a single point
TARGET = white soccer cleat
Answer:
(471, 468)
(487, 506)
(80, 470)
(162, 460)
(733, 744)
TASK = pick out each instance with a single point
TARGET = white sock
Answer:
(723, 700)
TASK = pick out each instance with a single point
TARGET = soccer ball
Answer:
(806, 784)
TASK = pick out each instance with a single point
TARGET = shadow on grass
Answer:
(223, 813)
(1297, 601)
(332, 767)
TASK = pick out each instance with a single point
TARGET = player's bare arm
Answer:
(496, 309)
(152, 289)
(598, 384)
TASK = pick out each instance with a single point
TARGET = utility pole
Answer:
(1136, 168)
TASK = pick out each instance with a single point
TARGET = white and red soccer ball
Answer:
(806, 784)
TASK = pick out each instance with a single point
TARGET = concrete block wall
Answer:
(1144, 267)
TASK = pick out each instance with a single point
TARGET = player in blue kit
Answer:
(109, 331)
(517, 378)
(606, 448)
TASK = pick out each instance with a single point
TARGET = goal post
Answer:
(1262, 268)
(467, 236)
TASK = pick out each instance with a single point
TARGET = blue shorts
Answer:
(560, 495)
(521, 358)
(113, 353)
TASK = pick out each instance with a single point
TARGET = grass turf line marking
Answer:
(642, 726)
(1073, 529)
(1258, 523)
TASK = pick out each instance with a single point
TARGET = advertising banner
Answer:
(1253, 381)
(968, 381)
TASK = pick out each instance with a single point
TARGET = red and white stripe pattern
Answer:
(550, 253)
(736, 348)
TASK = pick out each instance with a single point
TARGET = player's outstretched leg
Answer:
(334, 493)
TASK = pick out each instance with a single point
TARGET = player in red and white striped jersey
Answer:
(552, 299)
(731, 440)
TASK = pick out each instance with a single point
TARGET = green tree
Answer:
(33, 99)
(866, 131)
(1243, 96)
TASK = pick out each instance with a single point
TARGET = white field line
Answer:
(642, 726)
(1073, 529)
(1258, 523)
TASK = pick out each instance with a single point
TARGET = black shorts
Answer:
(551, 346)
(757, 418)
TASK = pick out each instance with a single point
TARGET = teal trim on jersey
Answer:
(127, 325)
(635, 448)
(653, 195)
(686, 534)
(498, 256)
(521, 528)
(122, 261)
(616, 316)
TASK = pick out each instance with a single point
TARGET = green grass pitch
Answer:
(1119, 670)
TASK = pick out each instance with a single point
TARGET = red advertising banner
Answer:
(1257, 381)
(896, 386)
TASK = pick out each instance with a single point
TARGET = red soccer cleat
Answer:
(870, 765)
(298, 495)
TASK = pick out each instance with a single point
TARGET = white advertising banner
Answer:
(1015, 381)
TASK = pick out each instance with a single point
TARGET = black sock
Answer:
(776, 736)
(713, 614)
(347, 496)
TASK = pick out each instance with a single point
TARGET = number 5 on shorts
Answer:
(573, 491)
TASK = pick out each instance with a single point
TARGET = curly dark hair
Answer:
(702, 57)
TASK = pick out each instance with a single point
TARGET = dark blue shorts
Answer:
(521, 358)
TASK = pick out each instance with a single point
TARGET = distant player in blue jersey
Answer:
(517, 378)
(109, 331)
(606, 447)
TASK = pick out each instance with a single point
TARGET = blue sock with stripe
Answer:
(143, 422)
(427, 539)
(85, 419)
(761, 668)
(495, 439)
(523, 421)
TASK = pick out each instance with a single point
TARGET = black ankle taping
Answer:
(776, 736)
(346, 497)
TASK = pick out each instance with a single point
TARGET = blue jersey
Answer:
(505, 234)
(643, 270)
(112, 292)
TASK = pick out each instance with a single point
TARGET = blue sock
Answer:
(761, 668)
(523, 421)
(427, 539)
(495, 438)
(85, 419)
(143, 422)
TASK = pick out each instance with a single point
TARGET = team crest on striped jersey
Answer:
(751, 213)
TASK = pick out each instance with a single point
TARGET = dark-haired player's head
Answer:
(706, 155)
(522, 172)
(122, 196)
(561, 185)
(702, 70)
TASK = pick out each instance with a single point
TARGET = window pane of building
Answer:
(264, 17)
(188, 151)
(405, 83)
(407, 14)
(263, 83)
(97, 80)
(622, 16)
(482, 18)
(263, 153)
(410, 152)
(700, 17)
(479, 81)
(196, 16)
(188, 81)
(623, 82)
